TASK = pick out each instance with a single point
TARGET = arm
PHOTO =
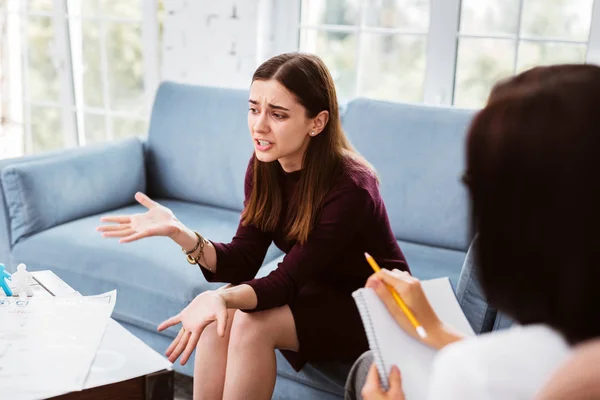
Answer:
(343, 214)
(233, 262)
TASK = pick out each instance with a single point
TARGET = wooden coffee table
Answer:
(155, 386)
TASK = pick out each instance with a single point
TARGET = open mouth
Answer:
(263, 144)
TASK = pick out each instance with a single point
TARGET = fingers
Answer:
(180, 346)
(189, 349)
(404, 283)
(120, 219)
(133, 236)
(372, 389)
(174, 320)
(119, 233)
(113, 228)
(174, 342)
(395, 390)
(383, 292)
(145, 200)
(222, 318)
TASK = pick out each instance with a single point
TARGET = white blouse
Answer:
(509, 364)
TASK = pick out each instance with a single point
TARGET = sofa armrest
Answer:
(41, 192)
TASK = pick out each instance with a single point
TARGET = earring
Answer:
(312, 133)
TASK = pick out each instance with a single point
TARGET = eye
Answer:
(279, 116)
(253, 110)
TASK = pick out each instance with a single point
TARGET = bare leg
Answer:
(251, 366)
(211, 361)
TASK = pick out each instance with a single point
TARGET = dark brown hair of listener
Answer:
(308, 79)
(533, 173)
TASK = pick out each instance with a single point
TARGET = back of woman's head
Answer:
(533, 171)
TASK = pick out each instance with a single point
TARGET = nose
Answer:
(261, 124)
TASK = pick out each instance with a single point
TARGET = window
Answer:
(89, 71)
(499, 38)
(373, 48)
(443, 51)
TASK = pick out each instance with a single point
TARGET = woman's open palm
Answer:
(157, 221)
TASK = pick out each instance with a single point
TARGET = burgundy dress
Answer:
(316, 279)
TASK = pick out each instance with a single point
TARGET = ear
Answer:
(319, 123)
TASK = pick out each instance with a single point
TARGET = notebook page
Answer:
(393, 346)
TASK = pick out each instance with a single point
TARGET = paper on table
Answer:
(123, 356)
(47, 345)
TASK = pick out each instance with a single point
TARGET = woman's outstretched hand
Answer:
(206, 308)
(157, 221)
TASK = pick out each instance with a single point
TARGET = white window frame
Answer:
(442, 43)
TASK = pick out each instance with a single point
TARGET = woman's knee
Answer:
(248, 328)
(358, 376)
(210, 337)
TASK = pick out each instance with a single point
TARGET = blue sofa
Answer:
(193, 161)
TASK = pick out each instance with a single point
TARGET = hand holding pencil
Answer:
(406, 301)
(418, 327)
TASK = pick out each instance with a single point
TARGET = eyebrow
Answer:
(273, 106)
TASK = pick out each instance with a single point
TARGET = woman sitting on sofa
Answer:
(532, 172)
(307, 190)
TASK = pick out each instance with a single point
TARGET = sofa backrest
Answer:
(199, 145)
(418, 152)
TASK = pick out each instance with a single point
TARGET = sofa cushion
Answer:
(418, 154)
(47, 192)
(199, 145)
(152, 277)
(427, 262)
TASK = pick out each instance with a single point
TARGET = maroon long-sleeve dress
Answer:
(316, 279)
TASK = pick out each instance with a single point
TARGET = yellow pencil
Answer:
(420, 330)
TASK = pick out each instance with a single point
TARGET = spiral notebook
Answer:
(392, 346)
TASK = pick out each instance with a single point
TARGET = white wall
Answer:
(221, 42)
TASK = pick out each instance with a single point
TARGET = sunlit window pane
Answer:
(95, 128)
(564, 19)
(393, 67)
(42, 74)
(125, 67)
(338, 51)
(485, 17)
(481, 63)
(398, 14)
(539, 53)
(46, 129)
(126, 127)
(331, 12)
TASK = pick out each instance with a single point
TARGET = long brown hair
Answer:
(533, 159)
(307, 77)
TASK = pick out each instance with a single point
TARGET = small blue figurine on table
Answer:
(4, 276)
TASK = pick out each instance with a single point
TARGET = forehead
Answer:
(272, 92)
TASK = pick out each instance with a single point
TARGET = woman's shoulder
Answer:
(517, 345)
(357, 174)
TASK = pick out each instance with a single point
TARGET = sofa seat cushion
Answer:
(427, 262)
(153, 279)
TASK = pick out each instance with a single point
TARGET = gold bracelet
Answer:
(201, 243)
(187, 253)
